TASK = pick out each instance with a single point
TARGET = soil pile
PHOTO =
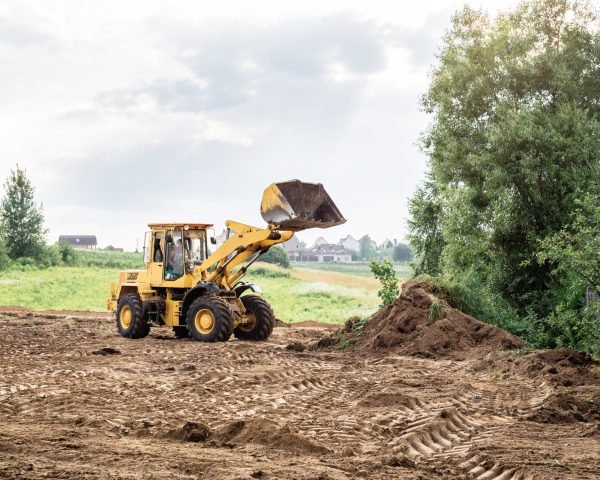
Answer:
(423, 323)
(267, 433)
(562, 367)
(574, 377)
(190, 432)
(580, 404)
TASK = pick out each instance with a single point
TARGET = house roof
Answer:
(349, 237)
(328, 248)
(79, 239)
(292, 245)
(320, 241)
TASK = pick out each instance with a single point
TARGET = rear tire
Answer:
(263, 322)
(210, 319)
(130, 321)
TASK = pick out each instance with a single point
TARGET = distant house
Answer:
(320, 241)
(350, 243)
(387, 243)
(325, 252)
(293, 247)
(79, 241)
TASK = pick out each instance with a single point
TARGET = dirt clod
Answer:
(268, 433)
(106, 351)
(296, 347)
(398, 461)
(190, 432)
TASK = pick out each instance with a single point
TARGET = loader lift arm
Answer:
(248, 244)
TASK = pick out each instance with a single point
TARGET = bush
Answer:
(268, 273)
(67, 253)
(49, 257)
(385, 273)
(276, 255)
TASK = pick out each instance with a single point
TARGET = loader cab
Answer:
(173, 250)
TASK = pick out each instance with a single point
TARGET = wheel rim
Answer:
(125, 317)
(204, 321)
(250, 322)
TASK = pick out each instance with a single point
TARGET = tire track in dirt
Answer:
(439, 414)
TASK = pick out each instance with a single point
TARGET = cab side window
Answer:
(158, 252)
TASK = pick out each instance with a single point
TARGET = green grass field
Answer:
(317, 293)
(59, 288)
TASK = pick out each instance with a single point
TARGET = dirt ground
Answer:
(78, 401)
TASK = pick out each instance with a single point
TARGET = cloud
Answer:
(19, 35)
(234, 65)
(192, 120)
(422, 42)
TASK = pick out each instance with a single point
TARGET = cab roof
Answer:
(179, 225)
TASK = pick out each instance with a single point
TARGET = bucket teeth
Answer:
(295, 205)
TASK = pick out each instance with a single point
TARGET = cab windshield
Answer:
(195, 245)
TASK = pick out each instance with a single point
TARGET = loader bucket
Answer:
(296, 206)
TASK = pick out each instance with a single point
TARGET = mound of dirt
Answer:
(562, 367)
(578, 404)
(265, 432)
(190, 432)
(413, 326)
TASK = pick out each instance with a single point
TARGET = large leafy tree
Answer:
(21, 218)
(513, 144)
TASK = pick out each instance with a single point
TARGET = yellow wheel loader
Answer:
(201, 294)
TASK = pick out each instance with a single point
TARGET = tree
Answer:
(425, 232)
(575, 250)
(515, 104)
(21, 218)
(276, 255)
(366, 248)
(4, 258)
(402, 253)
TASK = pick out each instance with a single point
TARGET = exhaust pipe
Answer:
(296, 206)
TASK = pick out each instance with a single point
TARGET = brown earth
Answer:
(406, 327)
(78, 401)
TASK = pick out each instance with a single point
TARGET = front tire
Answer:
(261, 316)
(210, 319)
(130, 321)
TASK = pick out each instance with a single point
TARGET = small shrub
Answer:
(386, 274)
(436, 310)
(67, 253)
(359, 325)
(49, 257)
(345, 343)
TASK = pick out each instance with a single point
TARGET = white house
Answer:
(320, 241)
(350, 243)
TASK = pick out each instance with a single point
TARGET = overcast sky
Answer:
(125, 112)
